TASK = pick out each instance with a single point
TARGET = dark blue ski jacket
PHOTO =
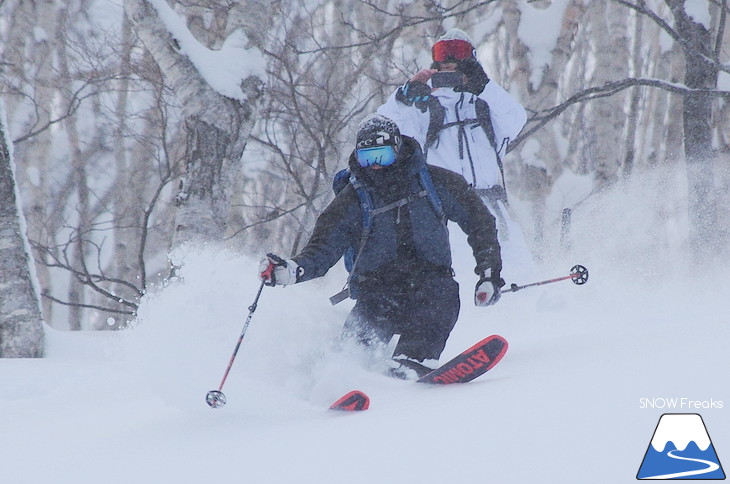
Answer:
(407, 243)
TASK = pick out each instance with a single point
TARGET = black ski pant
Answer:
(422, 312)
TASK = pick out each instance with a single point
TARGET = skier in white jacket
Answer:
(464, 122)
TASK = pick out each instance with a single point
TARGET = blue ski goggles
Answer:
(379, 155)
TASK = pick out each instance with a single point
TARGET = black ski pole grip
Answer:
(277, 260)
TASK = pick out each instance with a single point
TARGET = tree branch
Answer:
(406, 21)
(686, 45)
(276, 215)
(84, 276)
(609, 89)
(88, 306)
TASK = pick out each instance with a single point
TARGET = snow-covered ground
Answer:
(563, 406)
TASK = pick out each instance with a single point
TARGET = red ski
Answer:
(463, 368)
(352, 402)
(470, 364)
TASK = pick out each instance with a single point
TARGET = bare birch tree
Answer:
(21, 323)
(217, 127)
(701, 43)
(701, 72)
(59, 78)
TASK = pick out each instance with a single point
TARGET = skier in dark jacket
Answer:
(402, 275)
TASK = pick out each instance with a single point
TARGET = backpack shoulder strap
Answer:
(485, 120)
(366, 204)
(340, 180)
(437, 114)
(428, 186)
(352, 254)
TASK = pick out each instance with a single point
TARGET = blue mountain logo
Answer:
(681, 449)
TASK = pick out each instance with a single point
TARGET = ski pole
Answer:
(578, 274)
(216, 398)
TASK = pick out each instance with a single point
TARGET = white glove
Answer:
(487, 291)
(275, 271)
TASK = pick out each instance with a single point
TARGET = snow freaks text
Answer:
(679, 403)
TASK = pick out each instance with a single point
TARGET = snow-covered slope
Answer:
(563, 406)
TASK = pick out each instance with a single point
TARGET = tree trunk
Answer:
(79, 160)
(697, 119)
(636, 92)
(217, 130)
(129, 191)
(29, 58)
(606, 135)
(21, 323)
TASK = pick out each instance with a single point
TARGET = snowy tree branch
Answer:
(540, 119)
(219, 108)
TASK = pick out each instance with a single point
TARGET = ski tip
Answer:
(353, 401)
(490, 339)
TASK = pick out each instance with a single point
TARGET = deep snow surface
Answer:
(563, 406)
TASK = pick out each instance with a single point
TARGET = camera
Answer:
(447, 79)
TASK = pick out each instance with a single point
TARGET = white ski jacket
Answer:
(466, 151)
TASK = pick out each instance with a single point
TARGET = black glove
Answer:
(414, 93)
(476, 78)
(487, 291)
